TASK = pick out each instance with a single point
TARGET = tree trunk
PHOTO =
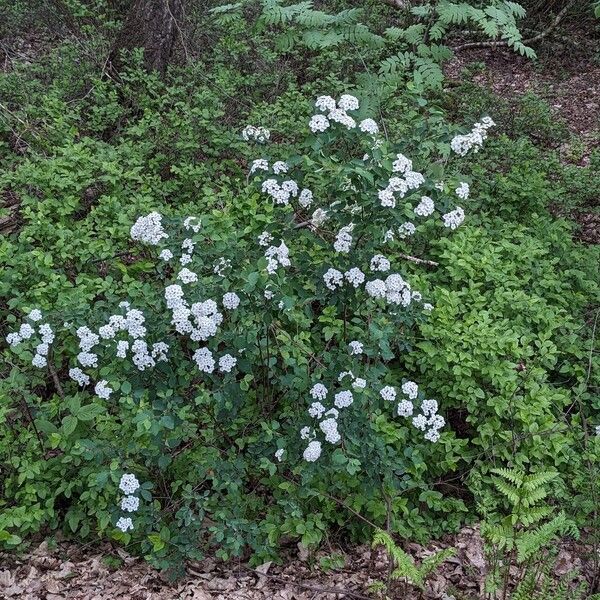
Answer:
(151, 25)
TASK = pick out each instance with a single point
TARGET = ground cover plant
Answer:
(290, 300)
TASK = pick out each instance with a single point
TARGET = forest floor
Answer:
(70, 572)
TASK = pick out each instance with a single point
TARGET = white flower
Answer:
(318, 217)
(333, 278)
(226, 363)
(306, 198)
(280, 167)
(39, 361)
(277, 256)
(312, 452)
(405, 408)
(359, 383)
(187, 276)
(425, 207)
(102, 390)
(356, 347)
(306, 433)
(46, 332)
(265, 238)
(376, 288)
(87, 359)
(79, 376)
(318, 123)
(462, 191)
(231, 300)
(420, 422)
(148, 229)
(221, 266)
(125, 524)
(107, 332)
(432, 435)
(355, 276)
(185, 259)
(26, 331)
(42, 349)
(341, 116)
(204, 359)
(348, 102)
(343, 399)
(429, 407)
(369, 126)
(318, 391)
(130, 503)
(13, 339)
(279, 454)
(325, 103)
(454, 218)
(316, 410)
(428, 307)
(411, 389)
(190, 223)
(388, 393)
(35, 315)
(343, 239)
(402, 164)
(329, 428)
(259, 163)
(406, 229)
(380, 263)
(129, 484)
(165, 255)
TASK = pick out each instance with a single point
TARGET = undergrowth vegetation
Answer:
(345, 265)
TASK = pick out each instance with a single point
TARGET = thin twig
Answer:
(420, 261)
(531, 40)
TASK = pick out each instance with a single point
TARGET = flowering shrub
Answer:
(272, 340)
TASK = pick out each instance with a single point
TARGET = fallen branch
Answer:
(419, 261)
(531, 40)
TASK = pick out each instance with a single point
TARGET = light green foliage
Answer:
(404, 565)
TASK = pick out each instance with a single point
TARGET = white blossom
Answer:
(425, 207)
(356, 347)
(148, 229)
(102, 390)
(318, 391)
(35, 315)
(312, 452)
(129, 484)
(166, 255)
(231, 300)
(388, 393)
(130, 503)
(333, 279)
(318, 123)
(226, 363)
(369, 126)
(343, 399)
(204, 359)
(454, 218)
(125, 524)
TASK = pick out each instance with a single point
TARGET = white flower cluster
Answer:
(399, 186)
(277, 256)
(148, 229)
(356, 347)
(257, 134)
(395, 290)
(281, 193)
(425, 207)
(336, 112)
(27, 331)
(130, 503)
(343, 239)
(462, 144)
(454, 218)
(380, 263)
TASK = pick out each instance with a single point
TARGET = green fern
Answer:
(404, 564)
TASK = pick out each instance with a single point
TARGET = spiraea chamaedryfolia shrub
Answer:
(252, 377)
